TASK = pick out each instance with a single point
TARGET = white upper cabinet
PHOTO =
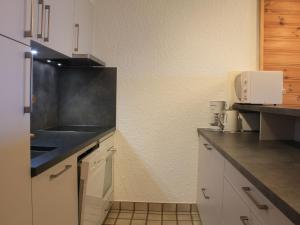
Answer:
(17, 19)
(83, 27)
(53, 24)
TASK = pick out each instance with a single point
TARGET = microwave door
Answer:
(238, 87)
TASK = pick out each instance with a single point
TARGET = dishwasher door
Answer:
(91, 202)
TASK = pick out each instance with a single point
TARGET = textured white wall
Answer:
(173, 56)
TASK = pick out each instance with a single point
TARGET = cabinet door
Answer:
(83, 27)
(16, 17)
(55, 196)
(203, 199)
(254, 220)
(215, 174)
(234, 210)
(15, 194)
(58, 25)
(210, 183)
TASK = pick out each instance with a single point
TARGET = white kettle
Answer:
(229, 121)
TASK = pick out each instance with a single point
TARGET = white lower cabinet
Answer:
(55, 195)
(226, 197)
(235, 211)
(210, 184)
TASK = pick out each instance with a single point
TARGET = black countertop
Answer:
(274, 109)
(67, 140)
(272, 166)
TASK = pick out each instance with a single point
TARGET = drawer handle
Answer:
(53, 176)
(204, 194)
(244, 220)
(207, 146)
(112, 149)
(247, 191)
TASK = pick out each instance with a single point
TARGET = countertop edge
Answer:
(35, 171)
(286, 209)
(285, 111)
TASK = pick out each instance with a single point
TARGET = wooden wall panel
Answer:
(280, 43)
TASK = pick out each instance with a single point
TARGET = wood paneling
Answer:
(280, 43)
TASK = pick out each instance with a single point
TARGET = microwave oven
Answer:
(259, 87)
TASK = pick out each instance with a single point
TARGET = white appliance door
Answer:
(92, 183)
(108, 182)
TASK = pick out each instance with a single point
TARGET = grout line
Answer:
(176, 210)
(191, 216)
(117, 217)
(162, 213)
(147, 214)
(132, 213)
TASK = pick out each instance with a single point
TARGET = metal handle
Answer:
(28, 83)
(80, 198)
(112, 149)
(29, 33)
(244, 220)
(247, 191)
(47, 8)
(207, 146)
(53, 176)
(203, 192)
(77, 37)
(42, 4)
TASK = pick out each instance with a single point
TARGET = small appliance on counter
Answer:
(258, 87)
(216, 109)
(222, 119)
(229, 121)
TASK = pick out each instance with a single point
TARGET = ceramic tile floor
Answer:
(148, 217)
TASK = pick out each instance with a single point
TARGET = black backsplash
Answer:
(87, 96)
(73, 96)
(45, 91)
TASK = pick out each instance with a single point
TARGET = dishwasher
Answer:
(96, 183)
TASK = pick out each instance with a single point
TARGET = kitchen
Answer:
(118, 89)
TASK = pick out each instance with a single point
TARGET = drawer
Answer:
(258, 203)
(106, 144)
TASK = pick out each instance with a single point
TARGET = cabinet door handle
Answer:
(41, 5)
(204, 194)
(77, 38)
(47, 8)
(208, 147)
(244, 220)
(112, 149)
(29, 33)
(247, 191)
(80, 197)
(28, 82)
(53, 176)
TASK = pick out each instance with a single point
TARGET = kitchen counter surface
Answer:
(272, 166)
(67, 140)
